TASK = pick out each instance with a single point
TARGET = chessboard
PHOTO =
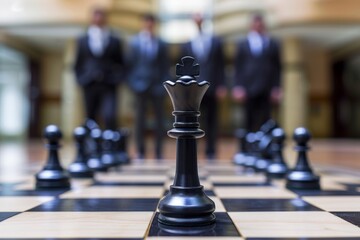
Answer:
(122, 204)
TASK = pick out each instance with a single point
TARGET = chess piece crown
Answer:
(186, 92)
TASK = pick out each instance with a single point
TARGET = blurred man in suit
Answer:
(98, 67)
(148, 69)
(257, 74)
(208, 52)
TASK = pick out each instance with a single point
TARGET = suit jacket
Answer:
(147, 74)
(211, 66)
(107, 68)
(258, 74)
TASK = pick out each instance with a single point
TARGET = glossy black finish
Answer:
(79, 168)
(223, 227)
(302, 176)
(52, 176)
(5, 215)
(94, 162)
(186, 204)
(259, 205)
(207, 192)
(98, 205)
(278, 168)
(352, 217)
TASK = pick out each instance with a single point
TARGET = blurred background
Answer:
(320, 55)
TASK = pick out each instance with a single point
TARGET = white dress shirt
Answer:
(98, 39)
(148, 44)
(257, 42)
(201, 45)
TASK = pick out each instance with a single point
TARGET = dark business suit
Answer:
(147, 72)
(98, 76)
(211, 70)
(258, 74)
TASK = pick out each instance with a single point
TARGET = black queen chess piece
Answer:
(302, 177)
(186, 204)
(52, 176)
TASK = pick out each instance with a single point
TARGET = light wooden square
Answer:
(115, 192)
(76, 225)
(219, 207)
(253, 192)
(336, 203)
(130, 178)
(238, 179)
(292, 224)
(19, 203)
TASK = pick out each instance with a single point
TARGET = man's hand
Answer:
(239, 94)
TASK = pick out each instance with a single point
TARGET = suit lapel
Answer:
(108, 46)
(87, 46)
(248, 48)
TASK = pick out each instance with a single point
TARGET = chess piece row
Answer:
(96, 150)
(263, 152)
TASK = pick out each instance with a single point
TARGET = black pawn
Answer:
(278, 168)
(79, 168)
(108, 157)
(94, 161)
(240, 156)
(52, 175)
(302, 177)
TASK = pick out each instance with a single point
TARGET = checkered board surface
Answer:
(122, 204)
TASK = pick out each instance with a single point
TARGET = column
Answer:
(72, 110)
(294, 109)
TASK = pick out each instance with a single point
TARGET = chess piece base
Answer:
(302, 180)
(124, 158)
(261, 164)
(239, 159)
(96, 165)
(52, 179)
(250, 161)
(80, 170)
(187, 207)
(276, 170)
(207, 230)
(109, 160)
